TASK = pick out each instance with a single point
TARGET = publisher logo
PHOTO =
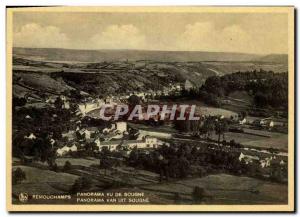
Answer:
(23, 197)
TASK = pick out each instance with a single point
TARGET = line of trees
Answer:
(204, 127)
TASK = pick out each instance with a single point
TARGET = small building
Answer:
(131, 144)
(51, 99)
(266, 122)
(121, 126)
(243, 121)
(147, 142)
(265, 163)
(31, 136)
(188, 85)
(65, 150)
(110, 145)
(151, 142)
(88, 132)
(63, 97)
(73, 148)
(98, 143)
(66, 105)
(62, 151)
(247, 158)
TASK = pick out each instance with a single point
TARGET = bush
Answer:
(54, 167)
(18, 176)
(82, 183)
(198, 194)
(67, 166)
(177, 198)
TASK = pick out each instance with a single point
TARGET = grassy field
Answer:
(219, 188)
(202, 108)
(40, 181)
(206, 110)
(263, 139)
(223, 189)
(35, 175)
(77, 161)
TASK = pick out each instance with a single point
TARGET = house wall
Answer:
(121, 126)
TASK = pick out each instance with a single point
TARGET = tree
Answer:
(133, 156)
(18, 176)
(58, 103)
(67, 166)
(244, 114)
(133, 100)
(214, 85)
(177, 198)
(221, 126)
(198, 194)
(54, 167)
(183, 167)
(18, 101)
(208, 126)
(105, 161)
(75, 94)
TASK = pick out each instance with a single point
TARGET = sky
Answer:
(259, 33)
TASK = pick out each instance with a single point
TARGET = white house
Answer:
(282, 162)
(65, 150)
(267, 122)
(247, 158)
(98, 143)
(151, 142)
(188, 85)
(62, 151)
(135, 144)
(31, 136)
(73, 148)
(63, 97)
(111, 145)
(243, 121)
(156, 134)
(66, 105)
(86, 107)
(51, 99)
(147, 142)
(87, 132)
(121, 126)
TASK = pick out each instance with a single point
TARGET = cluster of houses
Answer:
(92, 104)
(264, 163)
(113, 138)
(267, 123)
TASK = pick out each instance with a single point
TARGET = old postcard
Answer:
(150, 109)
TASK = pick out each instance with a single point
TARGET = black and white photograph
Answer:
(143, 107)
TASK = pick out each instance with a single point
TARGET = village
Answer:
(76, 150)
(120, 137)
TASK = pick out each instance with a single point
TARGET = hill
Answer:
(274, 58)
(55, 54)
(96, 72)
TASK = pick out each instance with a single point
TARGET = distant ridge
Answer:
(276, 58)
(57, 54)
